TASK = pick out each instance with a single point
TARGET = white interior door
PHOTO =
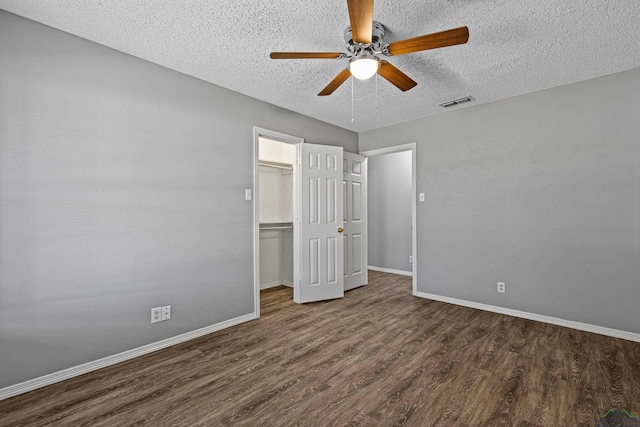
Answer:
(318, 249)
(354, 187)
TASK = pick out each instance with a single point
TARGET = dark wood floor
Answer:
(379, 356)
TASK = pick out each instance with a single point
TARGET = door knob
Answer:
(340, 230)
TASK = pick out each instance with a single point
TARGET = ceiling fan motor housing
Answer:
(375, 47)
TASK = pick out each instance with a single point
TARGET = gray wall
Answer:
(121, 189)
(389, 212)
(541, 191)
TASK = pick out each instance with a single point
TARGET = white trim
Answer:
(270, 285)
(391, 270)
(616, 333)
(277, 136)
(274, 284)
(14, 390)
(414, 207)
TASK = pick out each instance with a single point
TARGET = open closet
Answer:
(276, 161)
(310, 217)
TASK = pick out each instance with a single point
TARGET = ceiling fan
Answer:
(365, 40)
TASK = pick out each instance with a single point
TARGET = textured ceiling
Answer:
(515, 47)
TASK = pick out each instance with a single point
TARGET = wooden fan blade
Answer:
(305, 55)
(335, 83)
(395, 76)
(430, 41)
(361, 17)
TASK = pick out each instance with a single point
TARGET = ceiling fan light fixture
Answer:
(364, 67)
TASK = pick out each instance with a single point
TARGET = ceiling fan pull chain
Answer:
(352, 119)
(376, 94)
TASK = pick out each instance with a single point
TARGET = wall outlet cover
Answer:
(156, 314)
(502, 288)
(166, 312)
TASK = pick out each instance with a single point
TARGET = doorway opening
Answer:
(273, 183)
(388, 218)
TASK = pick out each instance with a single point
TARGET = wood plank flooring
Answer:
(379, 356)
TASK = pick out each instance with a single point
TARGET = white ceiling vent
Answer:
(457, 102)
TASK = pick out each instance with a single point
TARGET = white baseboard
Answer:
(14, 390)
(274, 284)
(391, 270)
(616, 333)
(270, 285)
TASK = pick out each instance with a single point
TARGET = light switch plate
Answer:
(166, 312)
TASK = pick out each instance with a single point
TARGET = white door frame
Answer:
(276, 136)
(414, 229)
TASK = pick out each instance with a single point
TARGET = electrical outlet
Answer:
(411, 258)
(166, 312)
(156, 315)
(502, 288)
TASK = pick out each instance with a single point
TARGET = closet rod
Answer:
(284, 227)
(276, 165)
